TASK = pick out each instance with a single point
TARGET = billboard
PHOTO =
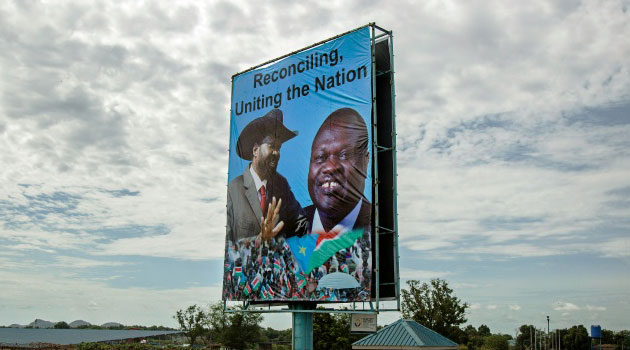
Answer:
(299, 211)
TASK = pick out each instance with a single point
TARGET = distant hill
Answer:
(112, 325)
(79, 323)
(39, 323)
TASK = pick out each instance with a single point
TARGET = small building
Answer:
(405, 335)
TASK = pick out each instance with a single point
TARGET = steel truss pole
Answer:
(375, 167)
(302, 337)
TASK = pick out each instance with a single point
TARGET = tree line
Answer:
(433, 304)
(65, 325)
(234, 330)
(574, 338)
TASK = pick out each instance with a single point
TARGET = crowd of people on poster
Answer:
(298, 226)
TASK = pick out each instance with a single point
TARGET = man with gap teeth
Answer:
(337, 173)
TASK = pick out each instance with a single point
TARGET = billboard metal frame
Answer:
(378, 34)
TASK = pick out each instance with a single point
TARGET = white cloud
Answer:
(514, 307)
(94, 301)
(491, 307)
(505, 149)
(415, 274)
(564, 306)
(75, 262)
(464, 285)
(595, 308)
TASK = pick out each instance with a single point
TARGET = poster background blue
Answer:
(305, 114)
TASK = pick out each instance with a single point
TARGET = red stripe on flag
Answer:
(326, 235)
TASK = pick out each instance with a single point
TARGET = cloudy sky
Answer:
(513, 136)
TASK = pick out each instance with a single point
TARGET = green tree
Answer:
(608, 336)
(622, 340)
(576, 338)
(434, 306)
(61, 325)
(473, 340)
(191, 321)
(242, 330)
(274, 336)
(214, 323)
(484, 330)
(332, 331)
(495, 342)
(460, 336)
(525, 337)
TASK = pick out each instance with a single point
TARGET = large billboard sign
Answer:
(299, 205)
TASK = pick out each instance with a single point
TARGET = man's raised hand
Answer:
(268, 227)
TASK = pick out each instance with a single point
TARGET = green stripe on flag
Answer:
(329, 247)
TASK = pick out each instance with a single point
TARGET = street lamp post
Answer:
(547, 340)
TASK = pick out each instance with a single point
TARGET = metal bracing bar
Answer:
(378, 74)
(389, 32)
(261, 308)
(381, 35)
(389, 231)
(384, 149)
(375, 164)
(315, 311)
(395, 171)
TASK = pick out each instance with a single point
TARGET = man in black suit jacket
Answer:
(252, 211)
(337, 173)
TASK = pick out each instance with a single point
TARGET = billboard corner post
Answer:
(302, 333)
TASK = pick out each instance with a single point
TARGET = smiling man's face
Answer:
(337, 170)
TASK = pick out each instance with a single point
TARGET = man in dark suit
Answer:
(337, 173)
(260, 202)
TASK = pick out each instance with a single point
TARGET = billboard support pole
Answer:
(395, 170)
(302, 337)
(375, 165)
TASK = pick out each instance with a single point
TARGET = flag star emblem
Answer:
(303, 251)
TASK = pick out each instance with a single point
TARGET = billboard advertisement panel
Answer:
(299, 178)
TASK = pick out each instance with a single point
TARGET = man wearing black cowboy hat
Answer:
(260, 202)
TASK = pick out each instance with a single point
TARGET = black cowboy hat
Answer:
(268, 125)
